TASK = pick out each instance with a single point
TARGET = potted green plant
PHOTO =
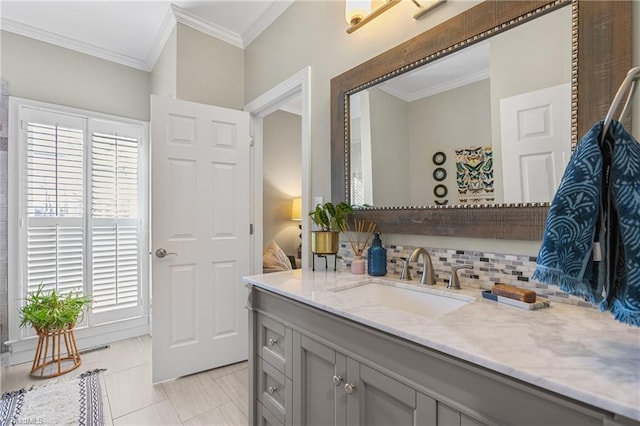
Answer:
(331, 220)
(54, 317)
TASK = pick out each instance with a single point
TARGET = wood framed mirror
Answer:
(601, 57)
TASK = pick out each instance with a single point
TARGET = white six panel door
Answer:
(200, 212)
(536, 143)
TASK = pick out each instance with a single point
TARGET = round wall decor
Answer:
(440, 191)
(440, 174)
(439, 158)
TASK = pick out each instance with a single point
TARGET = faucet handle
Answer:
(405, 274)
(454, 280)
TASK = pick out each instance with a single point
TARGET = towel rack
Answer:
(628, 84)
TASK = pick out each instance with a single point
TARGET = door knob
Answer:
(349, 388)
(337, 380)
(162, 253)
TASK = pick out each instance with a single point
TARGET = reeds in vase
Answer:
(359, 236)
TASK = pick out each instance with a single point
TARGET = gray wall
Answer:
(282, 178)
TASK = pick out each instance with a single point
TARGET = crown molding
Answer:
(68, 43)
(274, 11)
(434, 90)
(187, 18)
(174, 15)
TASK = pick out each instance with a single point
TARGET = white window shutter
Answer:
(114, 217)
(55, 258)
(54, 202)
(81, 203)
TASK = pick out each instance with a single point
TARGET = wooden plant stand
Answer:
(50, 359)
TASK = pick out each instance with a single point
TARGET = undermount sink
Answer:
(420, 301)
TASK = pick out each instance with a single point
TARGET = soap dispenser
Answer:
(377, 257)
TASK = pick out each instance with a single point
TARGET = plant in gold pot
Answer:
(54, 317)
(331, 220)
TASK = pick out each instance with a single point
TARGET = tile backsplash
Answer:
(488, 269)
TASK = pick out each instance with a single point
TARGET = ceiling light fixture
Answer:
(426, 7)
(358, 12)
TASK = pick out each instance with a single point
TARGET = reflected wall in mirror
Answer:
(601, 46)
(454, 105)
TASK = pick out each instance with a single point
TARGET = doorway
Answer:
(282, 99)
(282, 179)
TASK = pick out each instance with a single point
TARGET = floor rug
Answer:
(73, 401)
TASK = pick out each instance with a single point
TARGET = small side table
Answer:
(50, 359)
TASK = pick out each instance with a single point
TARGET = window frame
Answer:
(109, 328)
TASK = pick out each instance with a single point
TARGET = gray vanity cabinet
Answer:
(318, 383)
(377, 399)
(310, 367)
(332, 389)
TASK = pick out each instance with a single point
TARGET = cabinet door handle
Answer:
(349, 388)
(273, 342)
(272, 390)
(337, 380)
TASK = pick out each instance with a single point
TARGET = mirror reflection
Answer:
(488, 124)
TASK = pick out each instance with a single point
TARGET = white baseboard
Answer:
(23, 350)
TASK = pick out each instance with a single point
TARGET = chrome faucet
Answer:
(454, 280)
(428, 277)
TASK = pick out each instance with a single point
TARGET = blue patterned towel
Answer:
(566, 257)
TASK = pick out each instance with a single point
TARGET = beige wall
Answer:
(209, 71)
(163, 74)
(192, 66)
(48, 73)
(435, 125)
(312, 33)
(389, 149)
(282, 178)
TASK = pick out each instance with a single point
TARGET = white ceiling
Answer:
(133, 33)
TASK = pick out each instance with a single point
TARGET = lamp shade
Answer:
(356, 10)
(296, 209)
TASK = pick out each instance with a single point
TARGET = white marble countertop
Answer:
(574, 351)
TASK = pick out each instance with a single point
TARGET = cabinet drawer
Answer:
(275, 392)
(274, 342)
(265, 418)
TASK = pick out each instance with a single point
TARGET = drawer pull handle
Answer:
(349, 388)
(272, 390)
(337, 380)
(273, 342)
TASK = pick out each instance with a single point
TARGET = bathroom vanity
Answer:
(336, 348)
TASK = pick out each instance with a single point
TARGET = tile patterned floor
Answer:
(214, 397)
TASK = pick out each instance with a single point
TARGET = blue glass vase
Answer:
(377, 257)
